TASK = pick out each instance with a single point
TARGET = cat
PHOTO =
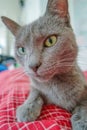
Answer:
(47, 50)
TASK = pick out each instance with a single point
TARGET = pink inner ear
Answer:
(62, 7)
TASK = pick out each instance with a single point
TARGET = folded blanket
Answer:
(14, 89)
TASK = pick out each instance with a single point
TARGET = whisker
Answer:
(17, 73)
(65, 64)
(66, 60)
(17, 77)
(18, 70)
(67, 56)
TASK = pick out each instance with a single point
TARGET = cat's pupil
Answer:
(50, 40)
(23, 50)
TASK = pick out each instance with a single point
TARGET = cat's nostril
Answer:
(35, 67)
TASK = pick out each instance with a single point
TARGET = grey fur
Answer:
(54, 72)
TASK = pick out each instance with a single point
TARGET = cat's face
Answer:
(47, 46)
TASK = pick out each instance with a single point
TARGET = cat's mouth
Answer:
(40, 75)
(44, 75)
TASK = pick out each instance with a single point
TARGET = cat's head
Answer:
(47, 46)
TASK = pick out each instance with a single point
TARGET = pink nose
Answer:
(34, 67)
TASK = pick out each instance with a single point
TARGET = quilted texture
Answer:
(14, 90)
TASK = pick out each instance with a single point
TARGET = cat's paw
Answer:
(78, 122)
(29, 112)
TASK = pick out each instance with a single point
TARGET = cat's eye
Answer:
(21, 51)
(50, 41)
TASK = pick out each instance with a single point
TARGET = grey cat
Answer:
(48, 51)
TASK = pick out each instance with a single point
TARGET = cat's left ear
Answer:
(59, 7)
(11, 25)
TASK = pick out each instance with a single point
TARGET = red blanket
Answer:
(14, 89)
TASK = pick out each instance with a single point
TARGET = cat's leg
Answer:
(30, 110)
(79, 117)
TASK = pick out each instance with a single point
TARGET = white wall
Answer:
(32, 10)
(11, 9)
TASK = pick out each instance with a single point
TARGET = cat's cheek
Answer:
(44, 74)
(19, 60)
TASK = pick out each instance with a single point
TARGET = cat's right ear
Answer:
(59, 7)
(11, 25)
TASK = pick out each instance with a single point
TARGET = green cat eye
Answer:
(50, 41)
(21, 50)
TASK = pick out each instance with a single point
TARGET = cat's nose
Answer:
(34, 67)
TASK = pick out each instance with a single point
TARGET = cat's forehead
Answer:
(47, 25)
(44, 26)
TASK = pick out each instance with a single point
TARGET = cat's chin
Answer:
(45, 78)
(41, 78)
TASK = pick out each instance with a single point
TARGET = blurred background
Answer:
(26, 11)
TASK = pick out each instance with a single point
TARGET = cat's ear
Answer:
(59, 7)
(11, 25)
